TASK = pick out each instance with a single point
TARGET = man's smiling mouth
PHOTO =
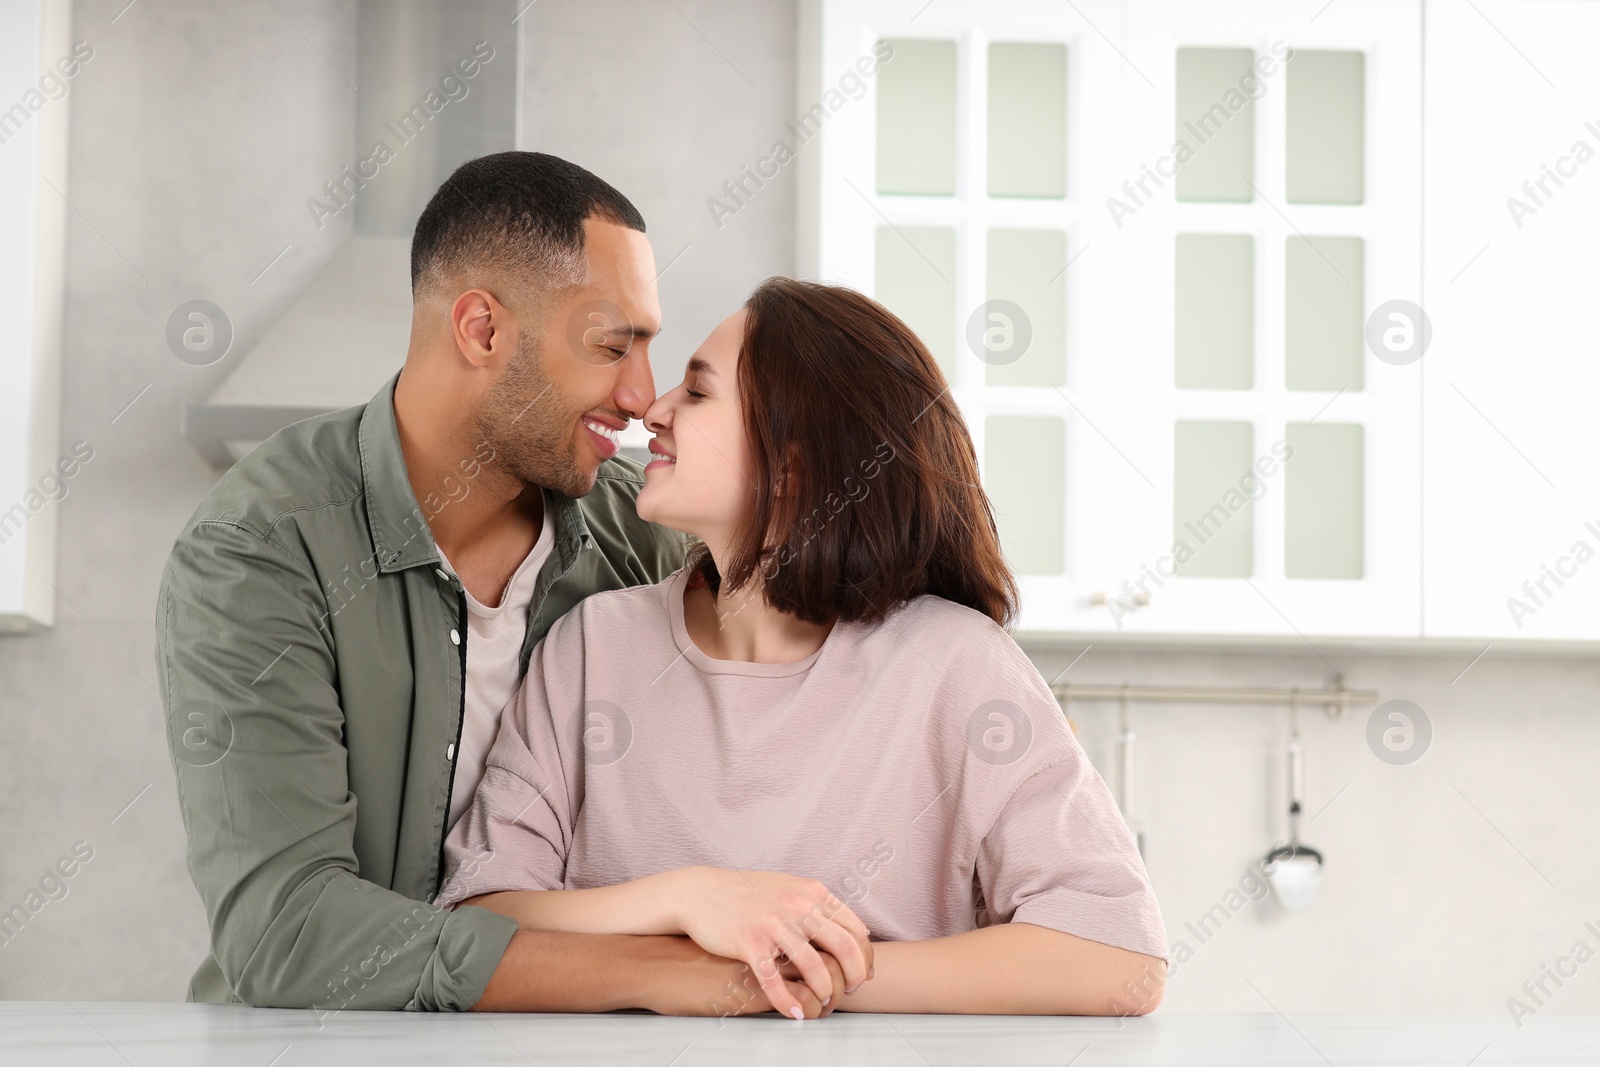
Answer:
(608, 438)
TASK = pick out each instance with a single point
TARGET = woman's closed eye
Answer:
(695, 395)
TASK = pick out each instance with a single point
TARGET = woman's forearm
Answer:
(1010, 969)
(642, 906)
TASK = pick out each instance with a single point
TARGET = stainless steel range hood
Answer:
(347, 331)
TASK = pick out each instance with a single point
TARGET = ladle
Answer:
(1295, 870)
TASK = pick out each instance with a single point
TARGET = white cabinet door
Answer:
(1511, 382)
(1271, 203)
(959, 179)
(1101, 467)
(36, 56)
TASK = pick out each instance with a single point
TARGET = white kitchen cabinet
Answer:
(1092, 449)
(1204, 438)
(1511, 502)
(36, 53)
(938, 191)
(1278, 458)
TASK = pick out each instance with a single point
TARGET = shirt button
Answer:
(443, 576)
(450, 753)
(455, 637)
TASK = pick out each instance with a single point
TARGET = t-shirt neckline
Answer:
(709, 665)
(540, 549)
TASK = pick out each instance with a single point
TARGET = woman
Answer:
(818, 726)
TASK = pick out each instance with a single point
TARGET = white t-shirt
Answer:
(494, 649)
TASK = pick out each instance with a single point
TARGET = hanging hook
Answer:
(1296, 768)
(1335, 708)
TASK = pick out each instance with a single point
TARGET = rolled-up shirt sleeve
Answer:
(518, 829)
(1060, 856)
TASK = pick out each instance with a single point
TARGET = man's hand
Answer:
(701, 983)
(760, 917)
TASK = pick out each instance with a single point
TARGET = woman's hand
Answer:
(695, 982)
(757, 916)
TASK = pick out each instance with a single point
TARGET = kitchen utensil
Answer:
(1295, 870)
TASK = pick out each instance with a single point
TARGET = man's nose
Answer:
(636, 385)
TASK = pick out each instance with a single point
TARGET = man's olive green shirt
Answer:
(312, 656)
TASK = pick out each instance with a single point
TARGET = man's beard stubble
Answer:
(528, 422)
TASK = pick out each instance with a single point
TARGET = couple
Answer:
(480, 727)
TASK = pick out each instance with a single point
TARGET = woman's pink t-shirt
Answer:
(920, 768)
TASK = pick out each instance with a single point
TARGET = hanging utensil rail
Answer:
(1333, 701)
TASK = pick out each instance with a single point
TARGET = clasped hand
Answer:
(759, 917)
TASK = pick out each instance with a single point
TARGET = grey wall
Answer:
(667, 102)
(200, 129)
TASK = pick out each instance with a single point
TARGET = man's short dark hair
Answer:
(516, 219)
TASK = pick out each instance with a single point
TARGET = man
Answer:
(334, 654)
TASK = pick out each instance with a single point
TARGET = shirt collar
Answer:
(401, 537)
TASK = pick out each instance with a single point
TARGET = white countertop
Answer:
(58, 1034)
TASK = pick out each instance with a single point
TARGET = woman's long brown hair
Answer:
(882, 501)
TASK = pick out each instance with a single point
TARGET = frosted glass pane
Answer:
(1028, 120)
(1024, 473)
(1323, 327)
(915, 279)
(1327, 127)
(1214, 317)
(1324, 501)
(1213, 515)
(1027, 268)
(917, 119)
(1217, 121)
